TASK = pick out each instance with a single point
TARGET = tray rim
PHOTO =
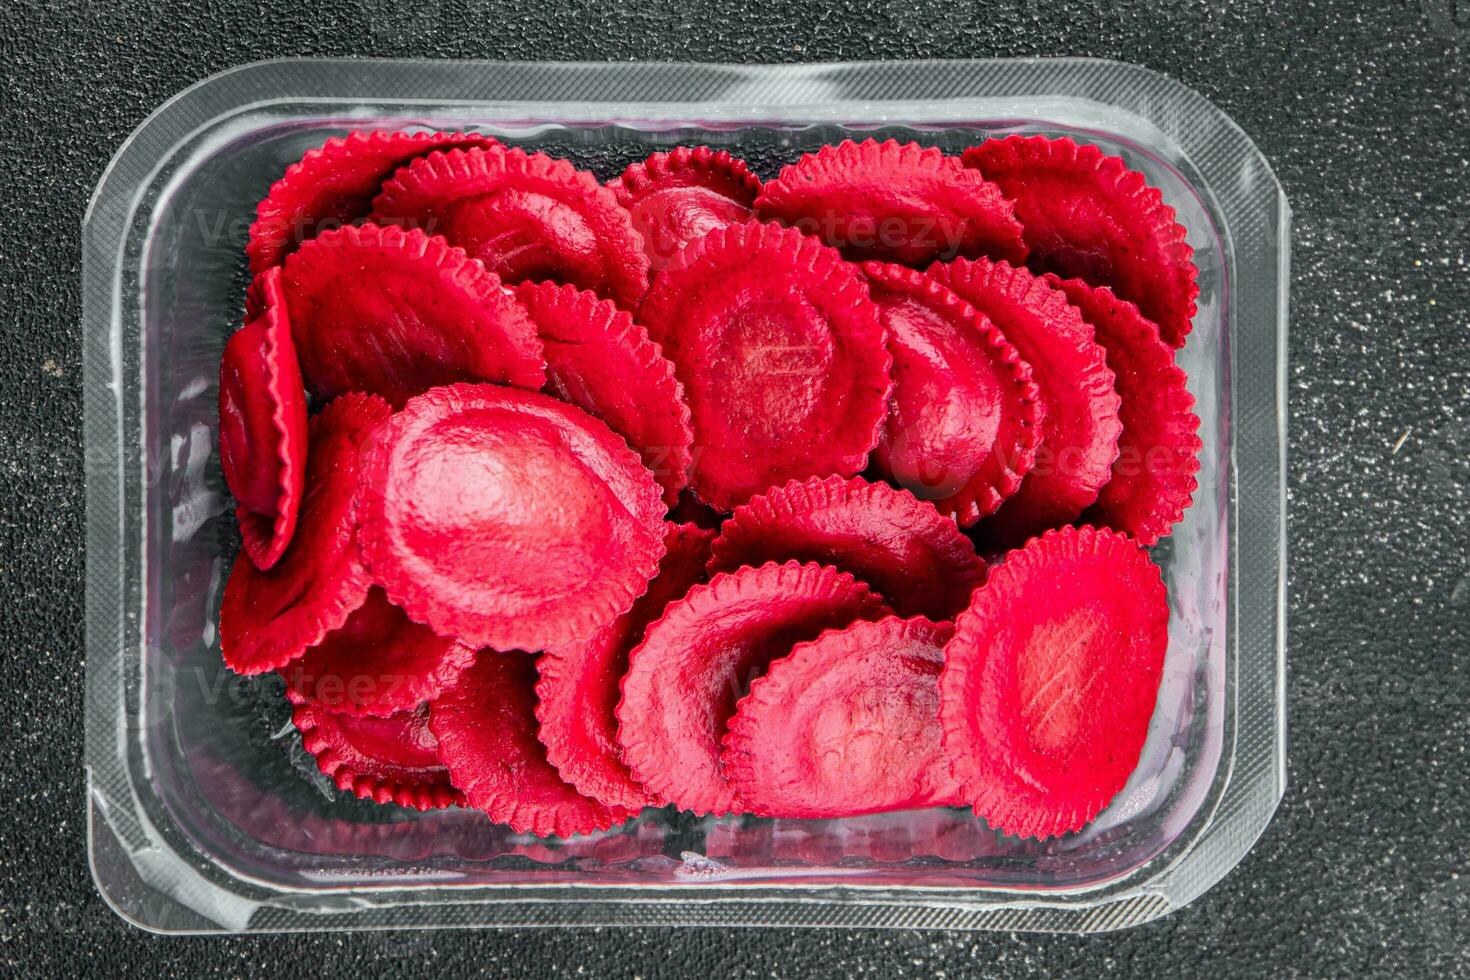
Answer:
(204, 104)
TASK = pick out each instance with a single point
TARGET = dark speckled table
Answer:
(1362, 108)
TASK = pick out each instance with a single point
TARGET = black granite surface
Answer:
(1362, 108)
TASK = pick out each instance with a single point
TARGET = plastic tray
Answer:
(204, 814)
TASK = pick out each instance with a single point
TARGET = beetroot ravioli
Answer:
(486, 729)
(1051, 678)
(262, 426)
(1086, 215)
(268, 619)
(901, 546)
(964, 422)
(1079, 426)
(697, 660)
(893, 202)
(508, 519)
(1154, 479)
(781, 354)
(681, 195)
(667, 492)
(580, 683)
(379, 662)
(396, 313)
(333, 185)
(387, 760)
(524, 215)
(845, 724)
(598, 359)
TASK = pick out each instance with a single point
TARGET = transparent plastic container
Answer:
(205, 815)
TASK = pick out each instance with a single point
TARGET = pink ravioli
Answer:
(699, 658)
(915, 557)
(598, 359)
(893, 202)
(255, 295)
(580, 683)
(1051, 678)
(694, 491)
(526, 216)
(333, 185)
(267, 619)
(1087, 216)
(845, 724)
(1155, 475)
(678, 196)
(396, 312)
(781, 354)
(1079, 429)
(262, 426)
(386, 760)
(965, 417)
(379, 662)
(486, 727)
(506, 518)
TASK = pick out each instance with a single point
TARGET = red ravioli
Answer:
(696, 661)
(1079, 428)
(678, 196)
(386, 760)
(377, 663)
(781, 354)
(255, 294)
(262, 426)
(1154, 477)
(486, 726)
(914, 556)
(527, 216)
(334, 185)
(1088, 216)
(598, 359)
(396, 312)
(580, 683)
(846, 724)
(268, 619)
(893, 202)
(965, 417)
(506, 518)
(1051, 679)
